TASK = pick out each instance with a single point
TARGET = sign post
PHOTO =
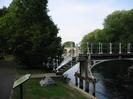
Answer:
(20, 82)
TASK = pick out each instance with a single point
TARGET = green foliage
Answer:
(95, 36)
(29, 33)
(3, 11)
(118, 27)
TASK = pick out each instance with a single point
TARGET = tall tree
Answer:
(119, 26)
(3, 11)
(31, 33)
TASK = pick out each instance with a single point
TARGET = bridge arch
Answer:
(105, 61)
(97, 62)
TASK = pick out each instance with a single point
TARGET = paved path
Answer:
(6, 79)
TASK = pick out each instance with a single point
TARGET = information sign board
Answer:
(21, 80)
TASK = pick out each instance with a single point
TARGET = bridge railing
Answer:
(109, 48)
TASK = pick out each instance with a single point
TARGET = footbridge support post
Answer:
(83, 59)
(84, 75)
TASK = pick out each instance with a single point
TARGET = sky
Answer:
(76, 18)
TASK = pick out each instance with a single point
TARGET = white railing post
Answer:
(129, 48)
(57, 62)
(88, 49)
(119, 48)
(110, 48)
(99, 48)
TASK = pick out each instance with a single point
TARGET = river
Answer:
(110, 79)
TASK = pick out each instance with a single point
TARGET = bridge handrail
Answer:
(64, 62)
(101, 47)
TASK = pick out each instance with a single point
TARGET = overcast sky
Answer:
(75, 18)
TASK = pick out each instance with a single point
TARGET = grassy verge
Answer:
(33, 90)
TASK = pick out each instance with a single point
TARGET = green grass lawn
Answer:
(33, 90)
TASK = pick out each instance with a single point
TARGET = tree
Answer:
(94, 36)
(30, 33)
(3, 11)
(119, 26)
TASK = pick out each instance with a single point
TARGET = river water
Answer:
(110, 79)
